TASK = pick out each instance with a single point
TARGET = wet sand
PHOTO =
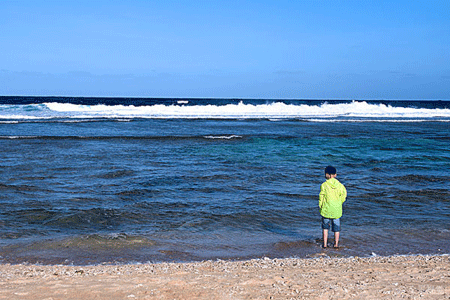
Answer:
(399, 277)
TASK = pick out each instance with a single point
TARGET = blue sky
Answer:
(241, 49)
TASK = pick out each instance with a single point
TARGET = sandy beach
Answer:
(398, 277)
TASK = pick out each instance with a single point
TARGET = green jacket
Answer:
(332, 195)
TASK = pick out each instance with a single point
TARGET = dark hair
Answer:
(330, 170)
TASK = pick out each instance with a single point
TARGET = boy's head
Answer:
(330, 172)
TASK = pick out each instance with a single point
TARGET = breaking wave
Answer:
(349, 111)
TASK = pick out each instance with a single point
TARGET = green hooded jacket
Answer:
(332, 195)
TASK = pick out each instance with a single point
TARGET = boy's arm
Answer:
(321, 196)
(344, 193)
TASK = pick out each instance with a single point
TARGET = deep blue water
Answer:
(182, 180)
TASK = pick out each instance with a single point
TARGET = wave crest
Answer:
(276, 110)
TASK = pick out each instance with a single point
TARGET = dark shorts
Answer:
(335, 224)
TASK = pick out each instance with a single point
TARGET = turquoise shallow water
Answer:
(135, 189)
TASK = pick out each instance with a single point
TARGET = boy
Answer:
(332, 195)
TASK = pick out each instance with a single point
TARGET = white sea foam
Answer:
(356, 111)
(276, 110)
(225, 137)
(14, 137)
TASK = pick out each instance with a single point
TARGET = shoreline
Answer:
(377, 277)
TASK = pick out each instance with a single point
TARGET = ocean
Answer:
(135, 180)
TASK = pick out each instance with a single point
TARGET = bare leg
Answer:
(336, 239)
(325, 237)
